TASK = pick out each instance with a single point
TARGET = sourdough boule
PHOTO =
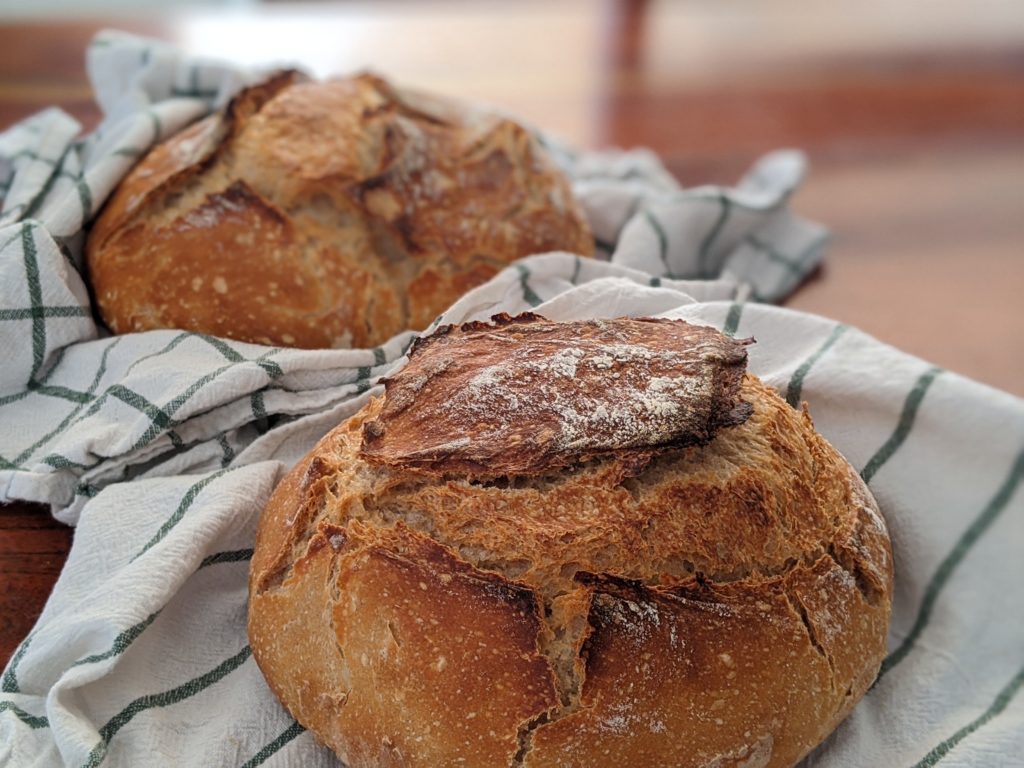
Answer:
(325, 214)
(594, 543)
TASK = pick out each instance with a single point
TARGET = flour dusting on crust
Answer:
(525, 395)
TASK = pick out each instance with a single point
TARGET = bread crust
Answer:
(724, 605)
(325, 214)
(536, 396)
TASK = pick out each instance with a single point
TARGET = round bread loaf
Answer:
(584, 544)
(325, 214)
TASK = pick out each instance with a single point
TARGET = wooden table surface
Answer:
(912, 116)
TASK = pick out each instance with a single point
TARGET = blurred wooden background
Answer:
(912, 114)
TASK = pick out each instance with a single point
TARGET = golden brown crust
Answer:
(376, 701)
(689, 678)
(325, 214)
(172, 164)
(725, 605)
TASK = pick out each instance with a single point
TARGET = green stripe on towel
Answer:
(163, 699)
(704, 254)
(100, 370)
(233, 556)
(121, 642)
(903, 427)
(183, 507)
(659, 232)
(32, 721)
(1001, 702)
(944, 572)
(35, 293)
(796, 384)
(290, 733)
(9, 683)
(732, 320)
(40, 313)
(529, 296)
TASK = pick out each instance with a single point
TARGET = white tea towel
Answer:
(163, 447)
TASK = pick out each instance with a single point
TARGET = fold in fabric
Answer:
(163, 447)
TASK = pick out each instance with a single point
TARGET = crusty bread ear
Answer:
(723, 603)
(528, 400)
(325, 214)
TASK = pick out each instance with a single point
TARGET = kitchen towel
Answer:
(162, 447)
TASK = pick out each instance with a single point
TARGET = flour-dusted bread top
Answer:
(714, 597)
(325, 214)
(541, 395)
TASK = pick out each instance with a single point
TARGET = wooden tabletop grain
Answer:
(913, 121)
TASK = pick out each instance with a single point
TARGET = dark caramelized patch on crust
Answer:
(526, 395)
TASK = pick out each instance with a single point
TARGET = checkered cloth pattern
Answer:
(162, 448)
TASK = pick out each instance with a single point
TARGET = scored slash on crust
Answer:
(523, 395)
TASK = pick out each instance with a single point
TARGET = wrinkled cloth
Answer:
(162, 448)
